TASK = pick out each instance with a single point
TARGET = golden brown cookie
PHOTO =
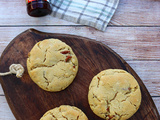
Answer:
(114, 94)
(52, 65)
(64, 112)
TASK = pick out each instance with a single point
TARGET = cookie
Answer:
(114, 94)
(64, 112)
(52, 65)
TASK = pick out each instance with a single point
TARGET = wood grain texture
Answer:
(17, 91)
(157, 101)
(6, 114)
(1, 91)
(148, 71)
(137, 44)
(5, 111)
(15, 13)
(132, 43)
(137, 13)
(129, 12)
(120, 39)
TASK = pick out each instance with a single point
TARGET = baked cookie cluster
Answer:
(114, 94)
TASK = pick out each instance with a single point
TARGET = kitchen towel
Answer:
(94, 13)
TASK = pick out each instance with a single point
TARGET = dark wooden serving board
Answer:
(29, 102)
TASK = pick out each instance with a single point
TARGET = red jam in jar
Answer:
(38, 8)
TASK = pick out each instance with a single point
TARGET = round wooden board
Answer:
(29, 102)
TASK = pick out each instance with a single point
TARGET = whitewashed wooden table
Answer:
(134, 33)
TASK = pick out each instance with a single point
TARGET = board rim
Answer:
(129, 69)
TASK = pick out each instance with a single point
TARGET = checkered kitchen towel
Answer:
(95, 13)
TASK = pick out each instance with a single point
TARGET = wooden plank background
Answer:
(133, 32)
(129, 13)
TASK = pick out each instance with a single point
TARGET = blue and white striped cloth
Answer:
(94, 13)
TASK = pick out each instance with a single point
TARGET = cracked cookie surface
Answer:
(64, 112)
(52, 65)
(114, 94)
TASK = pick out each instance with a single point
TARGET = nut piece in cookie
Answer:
(64, 112)
(114, 94)
(52, 65)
